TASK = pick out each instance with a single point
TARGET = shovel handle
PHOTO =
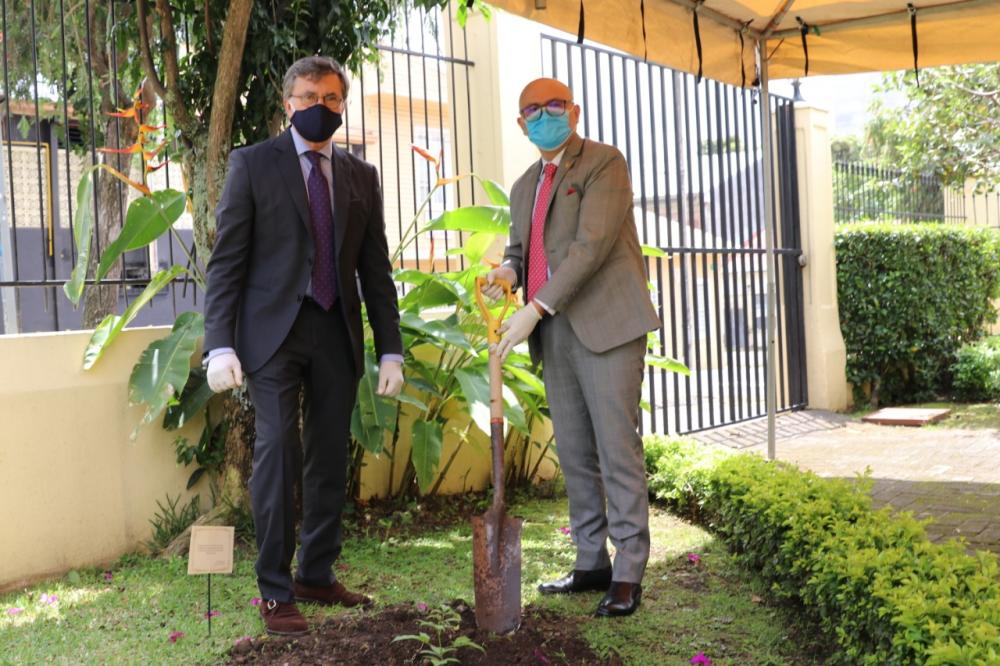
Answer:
(496, 391)
(493, 323)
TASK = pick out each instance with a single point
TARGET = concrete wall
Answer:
(76, 490)
(826, 355)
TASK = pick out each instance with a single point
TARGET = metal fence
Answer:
(418, 94)
(867, 192)
(695, 156)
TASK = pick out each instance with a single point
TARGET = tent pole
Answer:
(769, 238)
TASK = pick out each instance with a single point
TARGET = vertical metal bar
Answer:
(468, 109)
(781, 293)
(7, 131)
(399, 179)
(722, 260)
(741, 283)
(685, 240)
(585, 86)
(769, 241)
(677, 82)
(757, 277)
(409, 115)
(655, 241)
(453, 107)
(438, 72)
(665, 286)
(698, 310)
(65, 96)
(641, 158)
(600, 97)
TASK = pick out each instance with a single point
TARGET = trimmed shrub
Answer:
(976, 372)
(874, 583)
(910, 296)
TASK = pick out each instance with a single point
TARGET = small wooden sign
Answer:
(211, 550)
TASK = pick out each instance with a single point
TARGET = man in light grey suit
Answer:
(573, 246)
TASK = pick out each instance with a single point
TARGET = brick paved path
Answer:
(949, 475)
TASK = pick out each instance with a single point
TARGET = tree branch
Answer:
(227, 80)
(173, 78)
(147, 57)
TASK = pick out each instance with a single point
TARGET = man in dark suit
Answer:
(299, 226)
(574, 247)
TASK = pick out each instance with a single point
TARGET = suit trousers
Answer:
(594, 402)
(316, 356)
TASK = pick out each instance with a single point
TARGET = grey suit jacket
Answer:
(598, 276)
(262, 260)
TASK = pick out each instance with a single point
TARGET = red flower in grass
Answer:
(565, 530)
(701, 659)
(214, 613)
(694, 558)
(174, 635)
(255, 601)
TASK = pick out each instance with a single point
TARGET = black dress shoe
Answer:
(578, 581)
(621, 599)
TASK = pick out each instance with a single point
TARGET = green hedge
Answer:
(976, 373)
(910, 296)
(873, 582)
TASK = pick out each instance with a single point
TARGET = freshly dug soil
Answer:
(543, 638)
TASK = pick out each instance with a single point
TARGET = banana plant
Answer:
(160, 378)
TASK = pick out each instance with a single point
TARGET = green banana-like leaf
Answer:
(112, 325)
(496, 194)
(667, 363)
(652, 251)
(191, 401)
(475, 385)
(408, 399)
(490, 219)
(513, 411)
(530, 379)
(426, 451)
(430, 294)
(83, 230)
(440, 332)
(147, 219)
(475, 246)
(373, 415)
(164, 366)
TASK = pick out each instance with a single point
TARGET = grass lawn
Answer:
(149, 611)
(972, 416)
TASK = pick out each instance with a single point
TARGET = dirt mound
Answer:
(543, 638)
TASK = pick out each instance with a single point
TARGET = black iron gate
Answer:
(695, 156)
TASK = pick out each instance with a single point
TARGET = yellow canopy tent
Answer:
(726, 39)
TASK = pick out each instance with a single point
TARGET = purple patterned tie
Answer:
(324, 281)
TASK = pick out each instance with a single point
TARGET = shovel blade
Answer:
(496, 567)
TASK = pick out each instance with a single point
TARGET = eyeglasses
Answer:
(332, 100)
(553, 107)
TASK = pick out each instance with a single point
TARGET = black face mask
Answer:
(317, 123)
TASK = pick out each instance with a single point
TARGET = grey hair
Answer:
(312, 68)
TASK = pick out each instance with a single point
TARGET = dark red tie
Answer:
(324, 280)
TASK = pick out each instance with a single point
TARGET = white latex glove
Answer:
(493, 290)
(390, 378)
(224, 372)
(517, 329)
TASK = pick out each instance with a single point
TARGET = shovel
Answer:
(496, 537)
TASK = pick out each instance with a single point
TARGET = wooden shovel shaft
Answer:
(496, 431)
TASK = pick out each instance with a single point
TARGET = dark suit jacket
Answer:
(262, 260)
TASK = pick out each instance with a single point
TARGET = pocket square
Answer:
(571, 190)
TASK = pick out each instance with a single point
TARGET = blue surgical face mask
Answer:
(549, 132)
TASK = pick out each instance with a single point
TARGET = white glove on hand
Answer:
(390, 378)
(224, 372)
(517, 329)
(494, 290)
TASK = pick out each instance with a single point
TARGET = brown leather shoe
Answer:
(283, 619)
(328, 595)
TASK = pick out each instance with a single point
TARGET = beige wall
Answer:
(826, 356)
(75, 490)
